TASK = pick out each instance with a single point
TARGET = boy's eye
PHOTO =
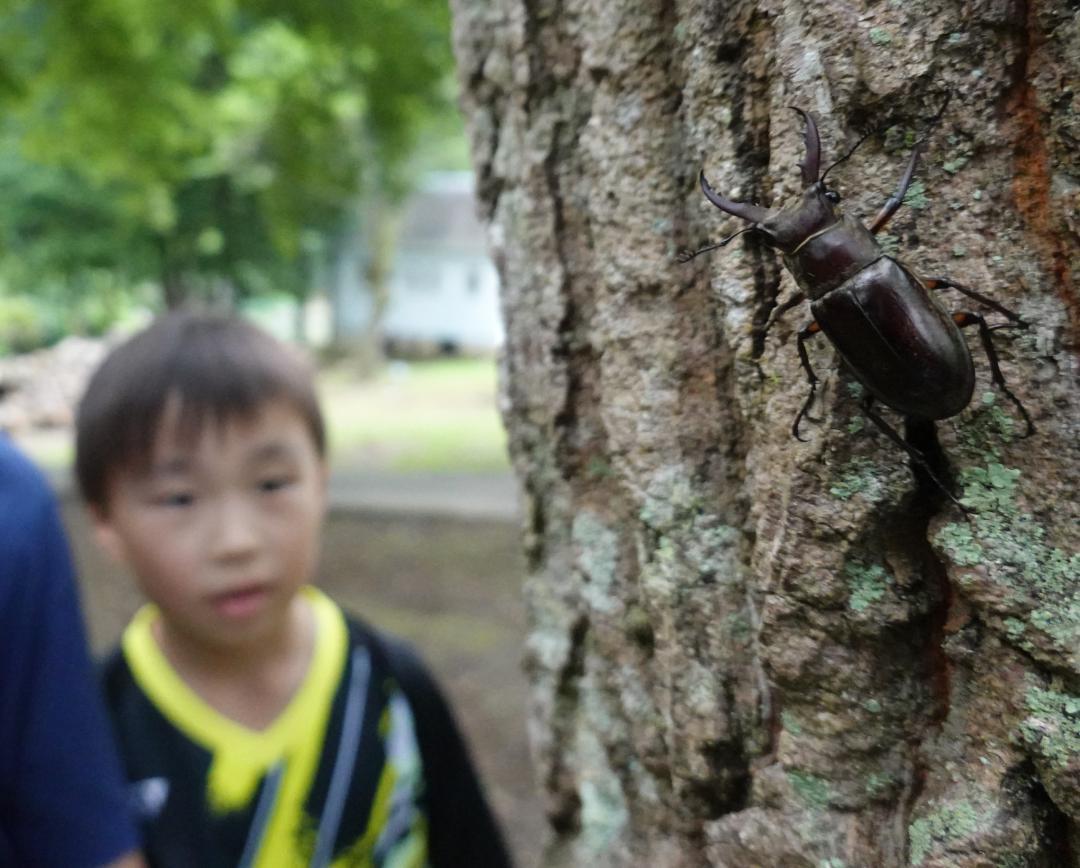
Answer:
(176, 499)
(274, 483)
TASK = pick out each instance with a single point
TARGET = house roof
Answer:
(442, 214)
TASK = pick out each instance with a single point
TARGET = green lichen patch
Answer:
(858, 476)
(604, 813)
(739, 627)
(947, 823)
(959, 541)
(868, 583)
(790, 722)
(1030, 584)
(1060, 713)
(703, 551)
(670, 498)
(890, 244)
(880, 36)
(956, 164)
(598, 469)
(598, 558)
(1051, 731)
(898, 138)
(814, 791)
(1014, 627)
(916, 196)
(880, 784)
(990, 489)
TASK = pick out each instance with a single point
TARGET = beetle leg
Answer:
(778, 311)
(893, 203)
(945, 283)
(867, 406)
(811, 377)
(966, 318)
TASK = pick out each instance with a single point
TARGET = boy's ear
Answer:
(106, 536)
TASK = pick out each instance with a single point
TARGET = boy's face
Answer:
(221, 533)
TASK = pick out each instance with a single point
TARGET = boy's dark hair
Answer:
(219, 367)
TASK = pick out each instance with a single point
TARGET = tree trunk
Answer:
(174, 290)
(382, 217)
(746, 650)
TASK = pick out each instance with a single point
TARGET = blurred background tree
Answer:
(212, 149)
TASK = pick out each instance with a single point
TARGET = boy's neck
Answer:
(250, 683)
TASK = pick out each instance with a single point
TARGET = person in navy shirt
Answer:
(62, 799)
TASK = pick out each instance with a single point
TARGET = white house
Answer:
(444, 290)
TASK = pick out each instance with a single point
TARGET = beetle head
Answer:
(787, 228)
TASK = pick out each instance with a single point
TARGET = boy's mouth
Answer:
(241, 602)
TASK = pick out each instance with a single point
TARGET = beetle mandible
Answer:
(906, 351)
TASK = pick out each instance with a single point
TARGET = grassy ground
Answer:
(431, 416)
(416, 416)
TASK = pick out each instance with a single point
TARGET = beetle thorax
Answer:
(791, 227)
(832, 255)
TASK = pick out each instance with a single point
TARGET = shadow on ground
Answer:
(450, 585)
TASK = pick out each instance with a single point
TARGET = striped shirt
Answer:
(342, 777)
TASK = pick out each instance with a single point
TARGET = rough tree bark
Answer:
(745, 650)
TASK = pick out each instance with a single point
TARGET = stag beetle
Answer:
(904, 349)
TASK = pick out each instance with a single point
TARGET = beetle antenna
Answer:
(929, 129)
(937, 117)
(686, 255)
(848, 154)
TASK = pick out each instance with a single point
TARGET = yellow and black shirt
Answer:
(364, 767)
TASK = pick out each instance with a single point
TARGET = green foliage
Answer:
(68, 252)
(21, 326)
(215, 142)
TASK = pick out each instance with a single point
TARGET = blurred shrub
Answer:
(22, 326)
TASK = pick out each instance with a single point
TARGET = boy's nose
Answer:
(234, 533)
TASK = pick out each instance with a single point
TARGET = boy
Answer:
(259, 726)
